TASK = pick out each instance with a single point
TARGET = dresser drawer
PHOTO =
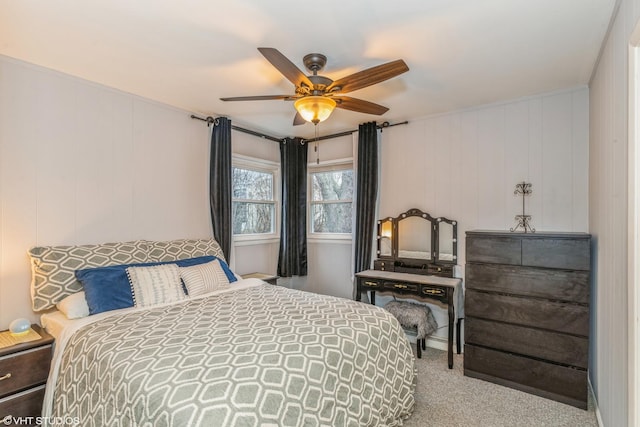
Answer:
(526, 281)
(24, 369)
(494, 250)
(552, 346)
(570, 254)
(568, 385)
(550, 315)
(441, 270)
(25, 404)
(371, 284)
(400, 286)
(383, 265)
(433, 291)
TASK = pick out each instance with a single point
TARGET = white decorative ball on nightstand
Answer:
(19, 326)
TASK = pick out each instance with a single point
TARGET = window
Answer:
(331, 198)
(253, 201)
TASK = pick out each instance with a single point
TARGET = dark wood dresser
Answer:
(527, 312)
(24, 369)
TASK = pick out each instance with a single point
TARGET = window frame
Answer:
(262, 166)
(328, 166)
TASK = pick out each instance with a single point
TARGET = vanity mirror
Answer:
(416, 242)
(385, 244)
(414, 235)
(446, 245)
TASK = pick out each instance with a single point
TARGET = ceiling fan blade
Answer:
(359, 105)
(298, 120)
(286, 67)
(258, 98)
(368, 77)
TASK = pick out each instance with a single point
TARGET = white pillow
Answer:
(74, 306)
(204, 278)
(156, 284)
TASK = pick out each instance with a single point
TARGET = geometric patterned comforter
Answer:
(259, 356)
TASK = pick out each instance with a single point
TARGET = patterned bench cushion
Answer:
(411, 314)
(53, 267)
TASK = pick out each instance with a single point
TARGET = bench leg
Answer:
(424, 343)
(419, 347)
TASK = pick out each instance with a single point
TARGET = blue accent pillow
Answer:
(108, 288)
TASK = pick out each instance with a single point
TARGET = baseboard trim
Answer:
(438, 343)
(433, 341)
(595, 403)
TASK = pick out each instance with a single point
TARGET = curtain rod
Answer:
(211, 120)
(349, 132)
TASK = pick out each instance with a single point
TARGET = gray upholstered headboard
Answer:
(53, 267)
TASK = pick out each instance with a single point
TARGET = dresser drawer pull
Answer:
(399, 286)
(5, 377)
(371, 283)
(433, 291)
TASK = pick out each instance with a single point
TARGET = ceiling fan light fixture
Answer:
(315, 109)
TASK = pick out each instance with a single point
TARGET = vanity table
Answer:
(416, 257)
(446, 290)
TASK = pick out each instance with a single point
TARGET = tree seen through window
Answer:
(253, 201)
(331, 201)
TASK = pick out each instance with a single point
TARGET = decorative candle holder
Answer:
(523, 188)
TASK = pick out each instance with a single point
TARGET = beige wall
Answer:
(610, 374)
(464, 165)
(81, 163)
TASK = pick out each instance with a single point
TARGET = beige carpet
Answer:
(446, 397)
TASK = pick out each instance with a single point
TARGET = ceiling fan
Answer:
(316, 96)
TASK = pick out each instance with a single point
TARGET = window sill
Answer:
(255, 239)
(346, 239)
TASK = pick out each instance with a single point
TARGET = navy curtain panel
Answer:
(292, 260)
(366, 195)
(220, 183)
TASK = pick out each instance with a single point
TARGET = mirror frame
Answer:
(454, 224)
(393, 234)
(435, 239)
(411, 213)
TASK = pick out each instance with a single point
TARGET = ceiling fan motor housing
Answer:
(319, 83)
(314, 62)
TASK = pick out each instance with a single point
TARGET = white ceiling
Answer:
(189, 53)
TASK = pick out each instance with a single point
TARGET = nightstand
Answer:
(269, 278)
(24, 369)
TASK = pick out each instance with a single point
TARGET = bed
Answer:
(247, 353)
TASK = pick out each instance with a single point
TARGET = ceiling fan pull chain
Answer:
(316, 145)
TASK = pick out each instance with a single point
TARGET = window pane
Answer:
(331, 218)
(333, 185)
(252, 218)
(252, 185)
